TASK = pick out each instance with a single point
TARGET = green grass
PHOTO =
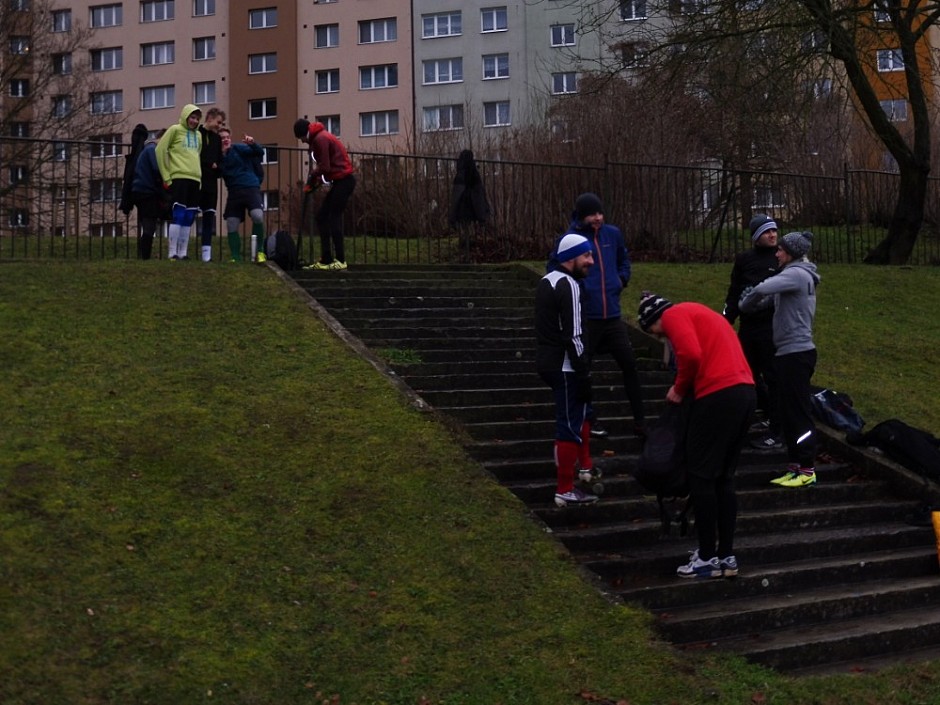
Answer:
(206, 497)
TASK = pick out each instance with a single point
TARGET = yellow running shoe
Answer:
(802, 479)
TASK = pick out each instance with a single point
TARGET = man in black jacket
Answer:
(755, 330)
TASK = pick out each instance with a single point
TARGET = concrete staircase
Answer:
(842, 576)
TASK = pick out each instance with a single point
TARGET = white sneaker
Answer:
(697, 568)
(574, 496)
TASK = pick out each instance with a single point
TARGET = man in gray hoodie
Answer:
(793, 294)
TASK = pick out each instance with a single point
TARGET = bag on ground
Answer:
(914, 448)
(835, 410)
(661, 467)
(281, 249)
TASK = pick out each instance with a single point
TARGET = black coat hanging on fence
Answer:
(138, 139)
(468, 201)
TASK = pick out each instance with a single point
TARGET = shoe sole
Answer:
(801, 484)
(704, 576)
(565, 503)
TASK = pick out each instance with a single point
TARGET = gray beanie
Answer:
(760, 224)
(797, 244)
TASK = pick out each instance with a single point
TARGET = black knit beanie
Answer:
(587, 204)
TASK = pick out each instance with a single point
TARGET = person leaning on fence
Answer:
(329, 161)
(607, 331)
(563, 363)
(468, 203)
(148, 196)
(244, 190)
(711, 367)
(792, 292)
(178, 156)
(756, 329)
(209, 159)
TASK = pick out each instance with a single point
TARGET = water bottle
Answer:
(254, 247)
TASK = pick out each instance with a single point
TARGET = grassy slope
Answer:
(204, 497)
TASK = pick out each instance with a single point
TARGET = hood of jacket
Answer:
(188, 110)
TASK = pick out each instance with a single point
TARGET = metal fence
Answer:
(60, 199)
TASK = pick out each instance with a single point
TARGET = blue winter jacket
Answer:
(237, 169)
(147, 179)
(610, 273)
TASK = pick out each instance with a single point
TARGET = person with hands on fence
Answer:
(712, 369)
(563, 363)
(792, 293)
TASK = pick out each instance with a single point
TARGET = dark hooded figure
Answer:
(138, 138)
(468, 202)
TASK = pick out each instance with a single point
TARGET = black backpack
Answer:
(661, 467)
(835, 409)
(911, 447)
(280, 248)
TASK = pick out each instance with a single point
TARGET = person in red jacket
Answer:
(710, 368)
(329, 163)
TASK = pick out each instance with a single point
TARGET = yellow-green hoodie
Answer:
(178, 150)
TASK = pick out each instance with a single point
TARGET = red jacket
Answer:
(708, 354)
(332, 160)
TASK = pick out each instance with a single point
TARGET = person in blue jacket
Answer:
(149, 196)
(244, 190)
(606, 330)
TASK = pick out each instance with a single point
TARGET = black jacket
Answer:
(751, 267)
(138, 139)
(468, 201)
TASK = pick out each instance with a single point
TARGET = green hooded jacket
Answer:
(178, 150)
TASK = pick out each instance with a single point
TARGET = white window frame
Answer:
(104, 190)
(382, 122)
(157, 97)
(204, 48)
(157, 11)
(562, 35)
(19, 88)
(332, 124)
(494, 19)
(442, 118)
(62, 63)
(564, 82)
(497, 114)
(18, 174)
(896, 110)
(158, 53)
(19, 217)
(442, 24)
(61, 20)
(19, 45)
(203, 8)
(449, 70)
(262, 63)
(204, 92)
(890, 60)
(105, 146)
(62, 106)
(271, 200)
(326, 36)
(262, 109)
(495, 66)
(378, 31)
(327, 81)
(373, 78)
(262, 18)
(100, 16)
(633, 10)
(106, 102)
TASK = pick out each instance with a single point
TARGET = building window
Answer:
(634, 55)
(62, 106)
(270, 155)
(566, 82)
(19, 175)
(62, 64)
(106, 230)
(494, 19)
(890, 60)
(262, 19)
(328, 81)
(156, 54)
(262, 63)
(270, 200)
(632, 10)
(107, 102)
(443, 117)
(109, 59)
(443, 71)
(766, 196)
(331, 123)
(821, 88)
(327, 35)
(496, 114)
(203, 8)
(444, 24)
(204, 93)
(62, 21)
(562, 35)
(105, 146)
(157, 10)
(156, 97)
(384, 30)
(380, 123)
(105, 190)
(106, 16)
(495, 66)
(896, 110)
(19, 218)
(60, 151)
(19, 45)
(19, 87)
(19, 128)
(384, 76)
(262, 109)
(881, 12)
(203, 48)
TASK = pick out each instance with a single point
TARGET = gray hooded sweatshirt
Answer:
(793, 292)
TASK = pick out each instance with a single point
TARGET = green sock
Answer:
(235, 245)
